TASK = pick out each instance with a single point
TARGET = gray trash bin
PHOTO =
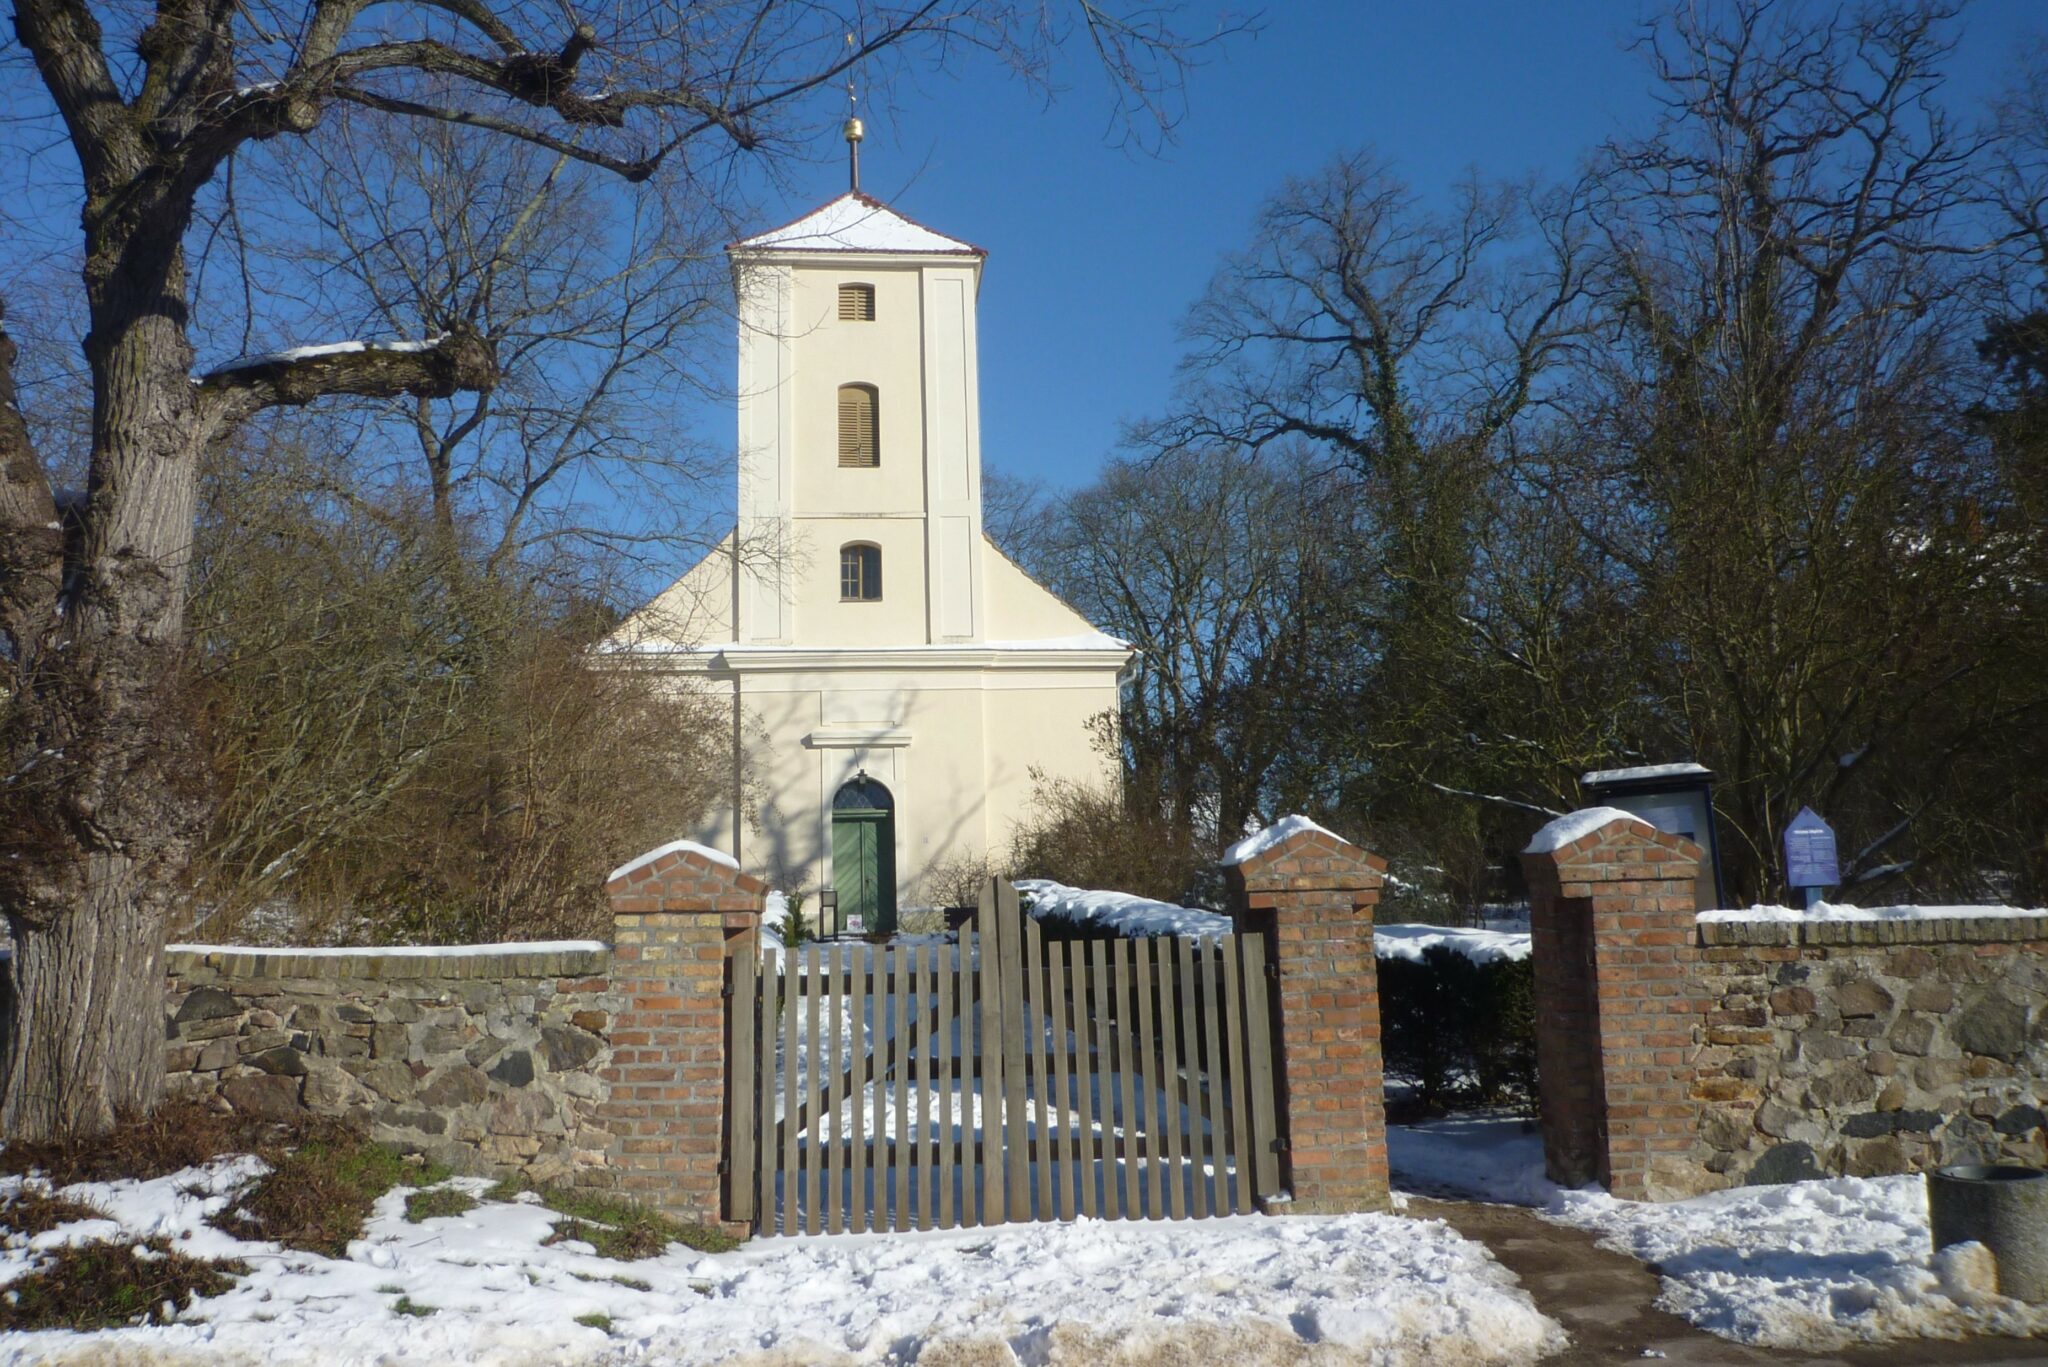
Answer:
(2004, 1208)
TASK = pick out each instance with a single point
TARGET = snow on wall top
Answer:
(1480, 946)
(1130, 916)
(856, 223)
(1256, 844)
(1835, 911)
(402, 951)
(673, 847)
(1575, 826)
(1643, 771)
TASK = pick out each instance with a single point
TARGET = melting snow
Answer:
(1130, 916)
(1480, 946)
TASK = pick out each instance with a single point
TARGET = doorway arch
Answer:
(864, 854)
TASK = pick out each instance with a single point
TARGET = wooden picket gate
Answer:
(1008, 1077)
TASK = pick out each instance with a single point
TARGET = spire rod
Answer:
(854, 129)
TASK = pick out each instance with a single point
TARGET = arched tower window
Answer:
(856, 303)
(860, 572)
(859, 430)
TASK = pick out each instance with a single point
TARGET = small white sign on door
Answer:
(856, 925)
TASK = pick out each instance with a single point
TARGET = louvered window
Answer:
(856, 303)
(860, 573)
(858, 445)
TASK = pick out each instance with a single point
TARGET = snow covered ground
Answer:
(1246, 1290)
(1807, 1265)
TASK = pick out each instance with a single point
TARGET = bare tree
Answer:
(102, 796)
(594, 295)
(1773, 453)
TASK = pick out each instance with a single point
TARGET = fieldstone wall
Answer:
(1867, 1048)
(489, 1059)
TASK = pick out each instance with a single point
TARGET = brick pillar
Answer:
(678, 913)
(1313, 894)
(1618, 1001)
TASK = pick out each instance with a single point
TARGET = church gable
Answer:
(1022, 609)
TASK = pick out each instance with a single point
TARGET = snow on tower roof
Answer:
(855, 222)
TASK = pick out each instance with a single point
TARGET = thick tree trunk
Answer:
(85, 1028)
(108, 793)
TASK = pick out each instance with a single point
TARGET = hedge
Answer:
(1463, 1033)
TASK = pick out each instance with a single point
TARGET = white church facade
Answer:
(895, 680)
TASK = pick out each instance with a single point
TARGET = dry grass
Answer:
(318, 1196)
(108, 1285)
(176, 1135)
(37, 1212)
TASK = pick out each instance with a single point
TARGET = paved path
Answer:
(1607, 1302)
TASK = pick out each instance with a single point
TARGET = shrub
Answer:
(1096, 838)
(1464, 1033)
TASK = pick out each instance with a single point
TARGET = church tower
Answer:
(859, 432)
(900, 689)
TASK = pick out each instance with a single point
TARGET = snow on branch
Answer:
(434, 368)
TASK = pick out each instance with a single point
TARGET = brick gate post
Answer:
(1313, 894)
(678, 912)
(1618, 1000)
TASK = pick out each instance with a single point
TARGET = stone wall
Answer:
(488, 1058)
(1865, 1048)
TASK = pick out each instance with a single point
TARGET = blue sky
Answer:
(1095, 252)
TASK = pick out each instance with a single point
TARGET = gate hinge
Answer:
(1281, 1145)
(725, 991)
(724, 1167)
(1273, 972)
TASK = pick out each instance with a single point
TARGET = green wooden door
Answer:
(864, 868)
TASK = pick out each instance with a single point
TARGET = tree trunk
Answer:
(113, 792)
(84, 1022)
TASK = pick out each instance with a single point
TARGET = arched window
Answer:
(859, 432)
(860, 572)
(856, 303)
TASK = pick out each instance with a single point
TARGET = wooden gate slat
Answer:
(1124, 969)
(811, 1153)
(769, 1016)
(1238, 1063)
(1145, 1043)
(944, 966)
(1087, 1064)
(1015, 1130)
(1195, 1191)
(1036, 1001)
(1173, 1175)
(859, 1045)
(902, 1153)
(1060, 1001)
(1215, 1100)
(835, 1094)
(1259, 1046)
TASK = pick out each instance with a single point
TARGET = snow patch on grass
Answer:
(483, 1286)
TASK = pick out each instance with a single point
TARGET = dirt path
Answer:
(1607, 1302)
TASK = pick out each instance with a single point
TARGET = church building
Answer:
(895, 680)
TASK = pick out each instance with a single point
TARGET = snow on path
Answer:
(1244, 1290)
(1807, 1265)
